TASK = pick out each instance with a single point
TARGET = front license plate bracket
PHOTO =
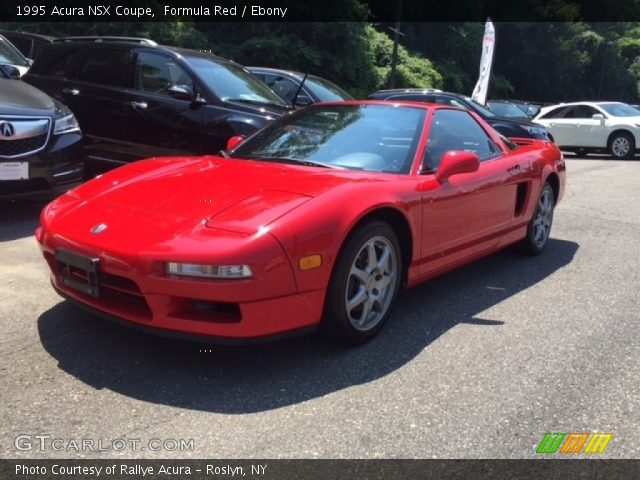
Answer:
(78, 272)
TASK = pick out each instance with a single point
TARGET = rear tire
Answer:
(581, 152)
(539, 227)
(364, 284)
(622, 145)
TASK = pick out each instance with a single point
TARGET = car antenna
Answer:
(295, 97)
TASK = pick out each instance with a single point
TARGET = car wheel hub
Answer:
(542, 221)
(371, 283)
(620, 146)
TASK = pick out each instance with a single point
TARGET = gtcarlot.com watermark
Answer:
(44, 442)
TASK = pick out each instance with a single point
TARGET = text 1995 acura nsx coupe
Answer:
(319, 219)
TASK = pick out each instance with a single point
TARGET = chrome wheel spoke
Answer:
(360, 274)
(383, 262)
(358, 298)
(366, 311)
(371, 256)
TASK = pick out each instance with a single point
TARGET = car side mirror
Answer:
(303, 101)
(455, 162)
(11, 71)
(182, 92)
(598, 116)
(234, 141)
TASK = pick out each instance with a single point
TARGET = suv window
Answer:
(456, 130)
(156, 73)
(61, 66)
(283, 86)
(105, 66)
(22, 44)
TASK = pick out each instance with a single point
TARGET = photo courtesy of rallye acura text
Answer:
(319, 219)
(41, 151)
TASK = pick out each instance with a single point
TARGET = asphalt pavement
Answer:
(478, 363)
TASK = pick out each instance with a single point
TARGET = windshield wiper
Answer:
(224, 154)
(296, 161)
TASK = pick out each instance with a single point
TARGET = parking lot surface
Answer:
(478, 363)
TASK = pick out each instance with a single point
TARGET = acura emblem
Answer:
(101, 227)
(6, 130)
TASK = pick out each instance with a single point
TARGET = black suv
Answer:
(508, 127)
(136, 99)
(40, 141)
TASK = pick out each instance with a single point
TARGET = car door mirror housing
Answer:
(303, 101)
(455, 162)
(234, 141)
(11, 71)
(598, 116)
(182, 92)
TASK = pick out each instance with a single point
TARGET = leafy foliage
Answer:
(542, 61)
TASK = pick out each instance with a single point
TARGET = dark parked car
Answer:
(504, 108)
(29, 44)
(40, 141)
(136, 99)
(508, 127)
(286, 83)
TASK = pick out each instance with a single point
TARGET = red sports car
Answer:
(319, 219)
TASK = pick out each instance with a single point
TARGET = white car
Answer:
(584, 127)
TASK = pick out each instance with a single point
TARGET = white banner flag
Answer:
(488, 44)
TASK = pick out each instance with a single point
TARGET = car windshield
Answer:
(325, 90)
(507, 110)
(10, 54)
(361, 137)
(232, 83)
(619, 109)
(480, 108)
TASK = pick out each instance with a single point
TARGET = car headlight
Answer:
(208, 271)
(66, 124)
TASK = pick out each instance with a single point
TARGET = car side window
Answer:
(105, 66)
(555, 113)
(580, 112)
(157, 73)
(22, 44)
(456, 130)
(283, 86)
(61, 66)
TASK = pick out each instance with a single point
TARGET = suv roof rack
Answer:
(144, 41)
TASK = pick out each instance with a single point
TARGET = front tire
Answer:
(622, 146)
(581, 152)
(539, 227)
(363, 285)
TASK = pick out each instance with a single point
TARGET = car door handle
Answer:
(142, 105)
(71, 91)
(514, 169)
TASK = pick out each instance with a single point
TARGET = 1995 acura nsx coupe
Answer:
(319, 219)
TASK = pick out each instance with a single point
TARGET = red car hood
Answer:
(174, 195)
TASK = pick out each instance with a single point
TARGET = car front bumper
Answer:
(139, 293)
(52, 171)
